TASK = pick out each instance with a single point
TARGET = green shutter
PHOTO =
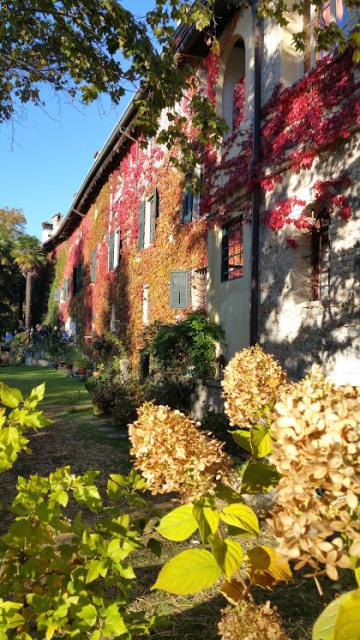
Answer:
(154, 212)
(179, 289)
(141, 225)
(187, 207)
(93, 266)
(111, 250)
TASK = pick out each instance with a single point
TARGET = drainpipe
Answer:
(258, 39)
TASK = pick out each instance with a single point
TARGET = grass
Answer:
(83, 441)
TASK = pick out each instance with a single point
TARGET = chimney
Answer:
(47, 231)
(57, 218)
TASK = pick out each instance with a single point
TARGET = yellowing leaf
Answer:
(266, 566)
(233, 590)
(228, 554)
(179, 524)
(348, 619)
(241, 516)
(189, 572)
(324, 627)
(10, 397)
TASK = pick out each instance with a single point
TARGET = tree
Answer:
(89, 47)
(29, 257)
(11, 286)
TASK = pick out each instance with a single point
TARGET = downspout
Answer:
(258, 39)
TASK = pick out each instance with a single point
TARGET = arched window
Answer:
(233, 99)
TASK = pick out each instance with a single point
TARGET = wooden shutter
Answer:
(141, 225)
(93, 266)
(154, 212)
(111, 250)
(179, 289)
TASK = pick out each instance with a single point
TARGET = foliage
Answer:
(188, 345)
(174, 455)
(128, 396)
(174, 392)
(11, 286)
(102, 391)
(19, 345)
(21, 418)
(28, 254)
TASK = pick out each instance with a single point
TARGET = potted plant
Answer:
(81, 362)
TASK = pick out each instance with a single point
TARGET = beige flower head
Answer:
(174, 455)
(253, 381)
(317, 452)
(248, 621)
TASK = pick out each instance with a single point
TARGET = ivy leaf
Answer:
(259, 477)
(179, 524)
(114, 622)
(88, 613)
(241, 516)
(189, 572)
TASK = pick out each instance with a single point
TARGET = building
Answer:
(269, 245)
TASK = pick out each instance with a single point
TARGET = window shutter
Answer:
(141, 225)
(179, 289)
(111, 250)
(225, 255)
(93, 266)
(74, 281)
(66, 289)
(57, 295)
(154, 212)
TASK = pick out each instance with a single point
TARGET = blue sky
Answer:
(45, 156)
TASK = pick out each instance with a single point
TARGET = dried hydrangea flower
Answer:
(248, 621)
(253, 381)
(174, 455)
(317, 452)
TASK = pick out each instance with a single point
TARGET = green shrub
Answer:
(129, 395)
(173, 392)
(19, 345)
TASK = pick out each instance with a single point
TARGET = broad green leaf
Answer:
(10, 397)
(179, 524)
(37, 393)
(259, 477)
(227, 494)
(212, 517)
(266, 566)
(114, 622)
(189, 572)
(260, 441)
(324, 627)
(242, 438)
(228, 554)
(348, 619)
(202, 523)
(96, 568)
(88, 613)
(241, 516)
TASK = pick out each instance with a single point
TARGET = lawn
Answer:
(83, 441)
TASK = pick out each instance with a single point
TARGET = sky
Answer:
(45, 155)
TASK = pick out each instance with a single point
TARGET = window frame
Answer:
(181, 304)
(320, 257)
(225, 247)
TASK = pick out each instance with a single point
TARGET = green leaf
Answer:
(179, 524)
(325, 626)
(36, 395)
(228, 554)
(88, 613)
(114, 622)
(154, 546)
(10, 397)
(227, 494)
(260, 441)
(259, 477)
(204, 527)
(95, 569)
(242, 438)
(348, 618)
(241, 516)
(189, 572)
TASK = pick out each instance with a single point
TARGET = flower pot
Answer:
(82, 371)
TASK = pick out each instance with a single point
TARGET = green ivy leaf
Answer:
(259, 477)
(114, 622)
(96, 568)
(88, 613)
(241, 516)
(189, 572)
(179, 524)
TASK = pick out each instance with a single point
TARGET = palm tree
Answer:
(29, 257)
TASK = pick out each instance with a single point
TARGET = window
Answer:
(232, 250)
(117, 248)
(320, 257)
(330, 11)
(111, 250)
(57, 295)
(65, 290)
(148, 215)
(234, 89)
(334, 11)
(77, 279)
(146, 305)
(179, 289)
(198, 288)
(191, 201)
(113, 318)
(93, 266)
